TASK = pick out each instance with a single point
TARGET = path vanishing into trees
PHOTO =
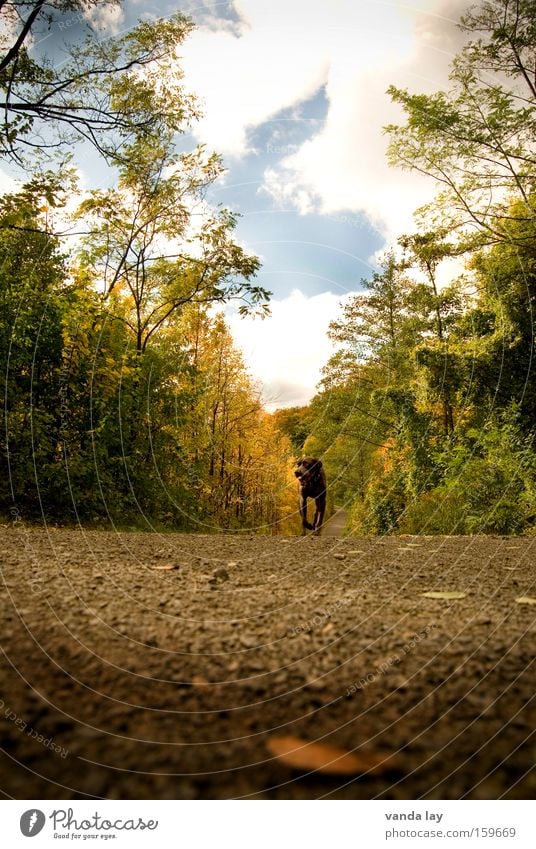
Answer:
(336, 524)
(187, 666)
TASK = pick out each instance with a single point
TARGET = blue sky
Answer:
(312, 251)
(294, 99)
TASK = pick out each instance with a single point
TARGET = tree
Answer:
(377, 326)
(417, 358)
(374, 418)
(106, 92)
(146, 247)
(376, 335)
(34, 295)
(502, 324)
(439, 309)
(239, 460)
(152, 262)
(294, 423)
(477, 140)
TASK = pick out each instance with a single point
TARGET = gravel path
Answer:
(165, 666)
(336, 524)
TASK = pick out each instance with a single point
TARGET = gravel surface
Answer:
(164, 666)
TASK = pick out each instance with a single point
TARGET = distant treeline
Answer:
(123, 395)
(426, 415)
(96, 427)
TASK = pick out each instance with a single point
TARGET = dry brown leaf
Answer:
(386, 662)
(452, 594)
(322, 757)
(526, 599)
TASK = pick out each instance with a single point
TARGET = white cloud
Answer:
(279, 55)
(287, 351)
(243, 80)
(344, 166)
(282, 53)
(8, 184)
(106, 18)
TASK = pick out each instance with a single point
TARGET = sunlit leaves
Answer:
(107, 92)
(155, 242)
(477, 140)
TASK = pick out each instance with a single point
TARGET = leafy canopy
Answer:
(104, 93)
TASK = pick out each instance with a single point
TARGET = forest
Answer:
(125, 398)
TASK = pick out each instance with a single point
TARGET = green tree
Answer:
(477, 139)
(295, 423)
(377, 326)
(145, 247)
(502, 324)
(351, 416)
(34, 295)
(106, 92)
(438, 310)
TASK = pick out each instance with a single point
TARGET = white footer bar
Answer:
(259, 824)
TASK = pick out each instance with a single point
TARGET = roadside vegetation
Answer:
(124, 396)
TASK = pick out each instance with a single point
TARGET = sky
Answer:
(294, 98)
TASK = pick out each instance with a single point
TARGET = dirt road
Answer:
(335, 525)
(164, 666)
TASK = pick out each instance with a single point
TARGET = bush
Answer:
(488, 486)
(482, 482)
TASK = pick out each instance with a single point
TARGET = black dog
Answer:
(312, 481)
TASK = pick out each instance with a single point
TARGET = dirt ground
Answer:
(124, 679)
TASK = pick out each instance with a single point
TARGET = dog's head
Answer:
(308, 468)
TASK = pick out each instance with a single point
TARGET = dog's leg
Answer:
(303, 513)
(320, 509)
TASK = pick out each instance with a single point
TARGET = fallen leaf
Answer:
(526, 599)
(386, 663)
(322, 757)
(444, 595)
